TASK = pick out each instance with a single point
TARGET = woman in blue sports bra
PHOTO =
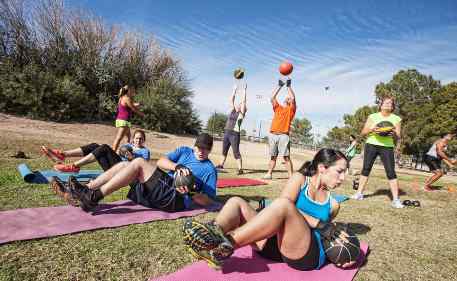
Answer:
(289, 229)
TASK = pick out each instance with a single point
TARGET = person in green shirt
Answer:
(381, 140)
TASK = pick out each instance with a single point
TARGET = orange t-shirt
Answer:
(282, 118)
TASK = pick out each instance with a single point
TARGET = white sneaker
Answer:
(357, 196)
(397, 204)
(267, 177)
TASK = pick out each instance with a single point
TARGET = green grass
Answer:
(410, 244)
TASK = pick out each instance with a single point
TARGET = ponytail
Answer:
(124, 90)
(308, 169)
(325, 156)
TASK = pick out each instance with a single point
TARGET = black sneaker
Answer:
(77, 189)
(61, 189)
(207, 241)
(240, 172)
(83, 194)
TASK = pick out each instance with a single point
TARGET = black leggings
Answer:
(105, 155)
(309, 261)
(387, 158)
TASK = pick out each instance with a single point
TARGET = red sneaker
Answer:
(53, 154)
(66, 168)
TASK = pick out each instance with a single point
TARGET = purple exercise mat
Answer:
(25, 224)
(246, 265)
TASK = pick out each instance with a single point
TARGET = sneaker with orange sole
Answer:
(55, 155)
(66, 168)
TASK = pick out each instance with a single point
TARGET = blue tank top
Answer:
(317, 210)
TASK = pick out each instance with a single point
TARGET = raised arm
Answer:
(276, 92)
(243, 106)
(232, 97)
(290, 92)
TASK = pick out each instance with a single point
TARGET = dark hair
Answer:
(325, 156)
(204, 140)
(352, 136)
(381, 101)
(139, 131)
(124, 90)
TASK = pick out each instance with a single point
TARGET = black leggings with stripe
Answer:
(387, 157)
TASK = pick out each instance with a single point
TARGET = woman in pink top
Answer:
(125, 107)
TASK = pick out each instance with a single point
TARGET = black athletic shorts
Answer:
(105, 155)
(433, 163)
(157, 192)
(231, 138)
(309, 261)
(387, 157)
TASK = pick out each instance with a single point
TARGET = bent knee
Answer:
(236, 200)
(137, 162)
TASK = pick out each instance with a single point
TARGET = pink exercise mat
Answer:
(25, 224)
(246, 265)
(233, 182)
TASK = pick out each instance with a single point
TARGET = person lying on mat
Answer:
(103, 154)
(150, 186)
(288, 230)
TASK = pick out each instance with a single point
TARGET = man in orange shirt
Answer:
(280, 126)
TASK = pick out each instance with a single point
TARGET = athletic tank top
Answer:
(432, 151)
(320, 211)
(234, 121)
(375, 139)
(123, 112)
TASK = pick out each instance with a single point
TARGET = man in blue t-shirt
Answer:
(150, 185)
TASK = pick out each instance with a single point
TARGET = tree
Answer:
(445, 115)
(301, 131)
(414, 95)
(338, 137)
(64, 64)
(216, 123)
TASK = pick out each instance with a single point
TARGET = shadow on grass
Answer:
(385, 192)
(255, 171)
(358, 228)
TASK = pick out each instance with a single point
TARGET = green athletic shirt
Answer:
(375, 139)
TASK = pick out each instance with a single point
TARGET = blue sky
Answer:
(349, 46)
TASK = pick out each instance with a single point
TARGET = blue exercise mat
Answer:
(44, 177)
(339, 197)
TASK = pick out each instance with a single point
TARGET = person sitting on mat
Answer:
(125, 107)
(232, 130)
(288, 230)
(433, 159)
(381, 142)
(103, 154)
(278, 139)
(150, 186)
